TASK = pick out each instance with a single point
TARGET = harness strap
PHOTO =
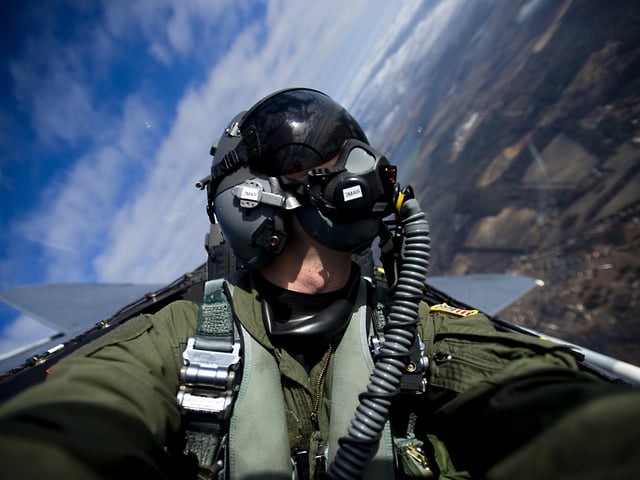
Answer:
(381, 306)
(210, 377)
(413, 379)
(215, 329)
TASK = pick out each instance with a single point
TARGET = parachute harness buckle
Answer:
(210, 377)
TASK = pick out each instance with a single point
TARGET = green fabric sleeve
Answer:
(509, 405)
(596, 440)
(127, 378)
(79, 441)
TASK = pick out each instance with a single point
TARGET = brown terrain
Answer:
(528, 161)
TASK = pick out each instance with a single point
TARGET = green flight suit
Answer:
(500, 402)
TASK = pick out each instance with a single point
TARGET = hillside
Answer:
(529, 161)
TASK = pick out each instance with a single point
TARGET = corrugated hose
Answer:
(363, 435)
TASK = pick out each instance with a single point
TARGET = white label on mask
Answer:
(352, 193)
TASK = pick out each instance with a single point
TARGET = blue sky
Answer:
(109, 109)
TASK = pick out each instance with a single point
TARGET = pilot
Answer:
(297, 190)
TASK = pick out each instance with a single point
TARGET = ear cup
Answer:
(256, 234)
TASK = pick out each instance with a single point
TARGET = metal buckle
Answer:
(208, 379)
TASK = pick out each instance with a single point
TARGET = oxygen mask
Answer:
(342, 205)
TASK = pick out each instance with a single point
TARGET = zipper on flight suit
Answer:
(314, 406)
(301, 458)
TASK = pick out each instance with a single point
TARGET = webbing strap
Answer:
(413, 379)
(209, 380)
(204, 440)
(214, 330)
(380, 312)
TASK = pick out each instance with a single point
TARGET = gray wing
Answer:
(69, 309)
(489, 293)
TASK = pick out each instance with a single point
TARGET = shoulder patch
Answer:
(443, 307)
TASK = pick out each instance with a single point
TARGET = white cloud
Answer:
(54, 78)
(528, 9)
(177, 28)
(59, 103)
(413, 40)
(75, 213)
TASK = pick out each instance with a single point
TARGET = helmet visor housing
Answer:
(298, 130)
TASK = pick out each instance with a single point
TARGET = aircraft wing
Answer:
(69, 309)
(489, 293)
(74, 306)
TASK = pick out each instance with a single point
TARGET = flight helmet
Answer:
(252, 194)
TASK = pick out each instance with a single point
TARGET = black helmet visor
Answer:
(298, 130)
